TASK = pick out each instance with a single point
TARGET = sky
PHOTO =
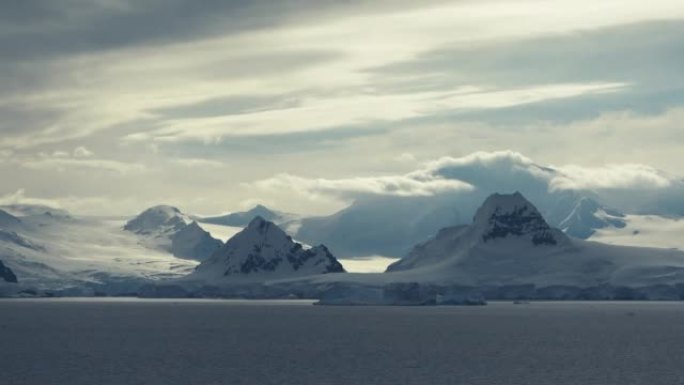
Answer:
(110, 106)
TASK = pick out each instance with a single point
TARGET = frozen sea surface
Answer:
(126, 342)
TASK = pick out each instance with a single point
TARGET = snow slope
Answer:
(157, 219)
(588, 216)
(645, 231)
(509, 243)
(54, 252)
(263, 251)
(390, 223)
(167, 228)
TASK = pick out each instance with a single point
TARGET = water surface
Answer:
(95, 341)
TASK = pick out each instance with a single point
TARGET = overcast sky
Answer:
(110, 106)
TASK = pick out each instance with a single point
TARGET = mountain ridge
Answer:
(512, 254)
(264, 249)
(242, 218)
(167, 228)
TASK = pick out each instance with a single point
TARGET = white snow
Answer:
(166, 228)
(508, 243)
(71, 251)
(263, 249)
(466, 255)
(645, 231)
(157, 219)
(368, 264)
(588, 216)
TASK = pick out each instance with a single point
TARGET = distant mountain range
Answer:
(390, 224)
(510, 243)
(242, 219)
(165, 227)
(50, 251)
(508, 250)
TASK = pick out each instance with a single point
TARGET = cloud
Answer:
(448, 174)
(405, 157)
(80, 205)
(645, 53)
(179, 97)
(80, 158)
(63, 164)
(330, 113)
(625, 176)
(630, 186)
(118, 76)
(400, 185)
(20, 197)
(492, 171)
(82, 152)
(198, 163)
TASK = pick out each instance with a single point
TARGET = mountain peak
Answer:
(588, 216)
(157, 218)
(501, 203)
(259, 208)
(264, 248)
(193, 242)
(261, 225)
(167, 228)
(243, 218)
(257, 221)
(506, 225)
(164, 210)
(503, 215)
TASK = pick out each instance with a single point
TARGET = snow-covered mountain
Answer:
(6, 274)
(167, 228)
(51, 251)
(588, 216)
(386, 226)
(263, 251)
(26, 210)
(390, 223)
(242, 219)
(510, 243)
(156, 220)
(8, 221)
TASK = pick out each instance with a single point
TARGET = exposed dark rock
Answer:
(262, 247)
(7, 274)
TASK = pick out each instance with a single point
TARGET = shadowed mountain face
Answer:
(167, 228)
(8, 221)
(502, 219)
(262, 249)
(6, 274)
(392, 225)
(157, 219)
(387, 226)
